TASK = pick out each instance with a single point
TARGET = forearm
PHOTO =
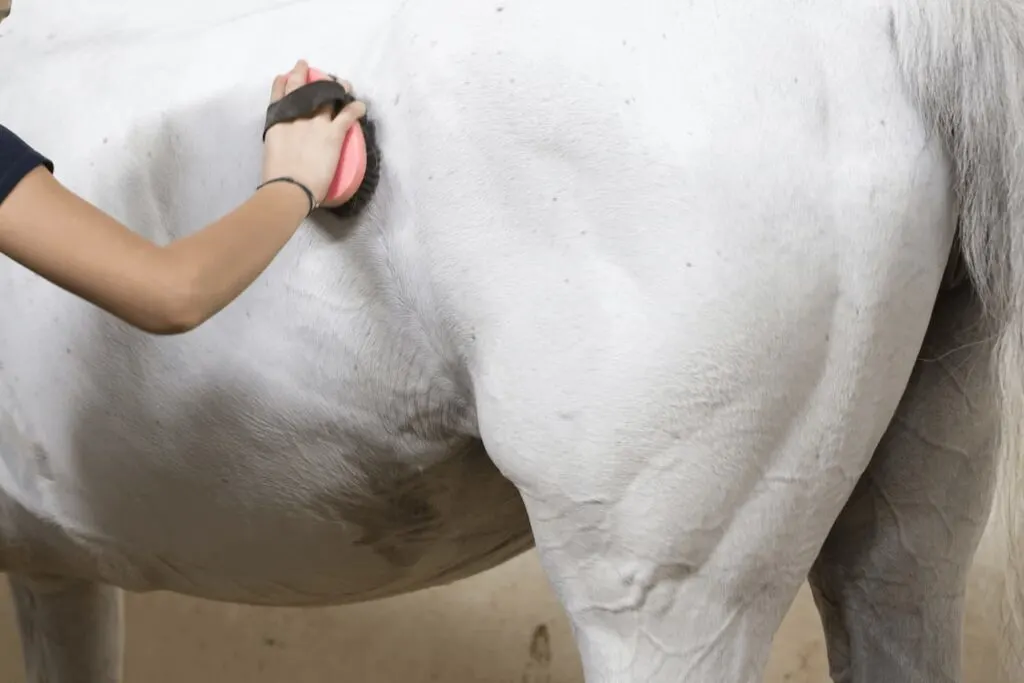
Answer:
(219, 262)
(163, 290)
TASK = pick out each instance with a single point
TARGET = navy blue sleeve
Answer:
(17, 159)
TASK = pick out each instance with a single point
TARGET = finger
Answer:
(325, 112)
(347, 85)
(350, 115)
(277, 89)
(297, 77)
(352, 112)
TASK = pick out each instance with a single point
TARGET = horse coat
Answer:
(643, 284)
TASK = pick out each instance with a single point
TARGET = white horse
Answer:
(645, 283)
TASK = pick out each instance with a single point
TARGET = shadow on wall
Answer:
(500, 627)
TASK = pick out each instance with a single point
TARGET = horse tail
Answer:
(963, 62)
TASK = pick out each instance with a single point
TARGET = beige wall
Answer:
(477, 631)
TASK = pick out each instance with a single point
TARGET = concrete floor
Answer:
(500, 627)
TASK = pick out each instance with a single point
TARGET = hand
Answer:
(307, 149)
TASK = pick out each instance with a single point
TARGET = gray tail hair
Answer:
(963, 61)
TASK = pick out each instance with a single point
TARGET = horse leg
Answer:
(677, 509)
(685, 570)
(645, 611)
(890, 580)
(71, 631)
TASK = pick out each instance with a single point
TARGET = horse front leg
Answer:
(71, 631)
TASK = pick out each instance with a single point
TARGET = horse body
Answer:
(314, 433)
(664, 283)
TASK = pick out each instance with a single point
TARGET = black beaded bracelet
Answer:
(313, 203)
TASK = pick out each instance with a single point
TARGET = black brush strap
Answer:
(305, 101)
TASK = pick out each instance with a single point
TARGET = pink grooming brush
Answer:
(351, 163)
(359, 160)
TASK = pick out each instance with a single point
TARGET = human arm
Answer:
(161, 290)
(174, 288)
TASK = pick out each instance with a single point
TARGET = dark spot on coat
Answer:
(394, 508)
(42, 460)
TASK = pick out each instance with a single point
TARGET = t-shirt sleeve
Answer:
(17, 159)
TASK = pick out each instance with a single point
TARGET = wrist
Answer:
(289, 194)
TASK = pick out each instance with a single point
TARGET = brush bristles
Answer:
(371, 178)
